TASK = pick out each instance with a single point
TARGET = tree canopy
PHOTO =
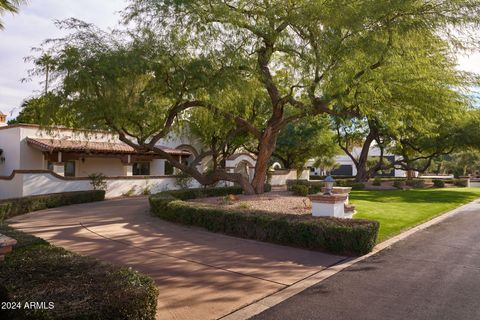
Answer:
(256, 66)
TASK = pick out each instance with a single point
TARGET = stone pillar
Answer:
(128, 169)
(467, 178)
(59, 168)
(328, 205)
(340, 190)
(157, 167)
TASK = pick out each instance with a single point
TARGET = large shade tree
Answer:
(257, 65)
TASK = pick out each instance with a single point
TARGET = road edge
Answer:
(254, 308)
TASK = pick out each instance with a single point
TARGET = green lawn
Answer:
(398, 210)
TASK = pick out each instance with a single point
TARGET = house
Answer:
(38, 161)
(346, 167)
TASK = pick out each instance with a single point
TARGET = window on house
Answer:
(69, 168)
(141, 168)
(168, 168)
(50, 165)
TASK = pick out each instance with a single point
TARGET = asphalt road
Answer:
(434, 274)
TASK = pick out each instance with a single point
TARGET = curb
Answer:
(270, 301)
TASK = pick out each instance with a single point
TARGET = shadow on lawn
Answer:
(416, 196)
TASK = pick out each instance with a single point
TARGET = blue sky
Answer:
(35, 23)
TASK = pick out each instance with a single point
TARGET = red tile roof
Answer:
(91, 146)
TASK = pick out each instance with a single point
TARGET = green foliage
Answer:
(460, 182)
(302, 141)
(17, 206)
(438, 183)
(300, 190)
(340, 236)
(183, 180)
(193, 193)
(244, 70)
(81, 287)
(416, 183)
(98, 181)
(399, 184)
(377, 181)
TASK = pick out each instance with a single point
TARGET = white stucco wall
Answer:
(281, 179)
(28, 184)
(109, 167)
(10, 143)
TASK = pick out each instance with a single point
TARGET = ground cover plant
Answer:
(80, 287)
(13, 207)
(398, 210)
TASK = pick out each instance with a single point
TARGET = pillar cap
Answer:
(325, 198)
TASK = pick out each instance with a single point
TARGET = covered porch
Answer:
(74, 158)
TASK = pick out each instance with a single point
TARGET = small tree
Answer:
(98, 181)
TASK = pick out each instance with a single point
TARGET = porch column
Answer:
(128, 167)
(59, 168)
(157, 167)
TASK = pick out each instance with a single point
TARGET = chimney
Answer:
(3, 119)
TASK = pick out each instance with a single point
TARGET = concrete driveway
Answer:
(200, 275)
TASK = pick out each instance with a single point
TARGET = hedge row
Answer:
(340, 236)
(13, 207)
(80, 287)
(316, 186)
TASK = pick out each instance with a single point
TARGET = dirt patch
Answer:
(278, 202)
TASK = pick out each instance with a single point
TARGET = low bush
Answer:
(357, 186)
(399, 184)
(377, 182)
(79, 287)
(13, 207)
(460, 182)
(193, 193)
(300, 190)
(316, 186)
(438, 183)
(340, 236)
(416, 183)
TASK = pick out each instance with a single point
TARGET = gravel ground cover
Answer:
(279, 202)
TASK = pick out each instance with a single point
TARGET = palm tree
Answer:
(9, 6)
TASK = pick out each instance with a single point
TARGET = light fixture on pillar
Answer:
(329, 181)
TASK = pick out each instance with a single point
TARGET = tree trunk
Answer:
(362, 173)
(266, 148)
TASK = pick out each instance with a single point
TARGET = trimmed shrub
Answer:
(357, 186)
(193, 193)
(80, 287)
(300, 190)
(460, 182)
(13, 207)
(340, 236)
(438, 183)
(416, 183)
(399, 184)
(377, 182)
